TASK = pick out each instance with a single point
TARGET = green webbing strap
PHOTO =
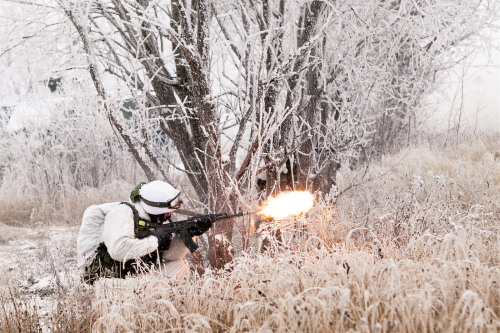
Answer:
(140, 225)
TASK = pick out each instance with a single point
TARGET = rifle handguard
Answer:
(184, 228)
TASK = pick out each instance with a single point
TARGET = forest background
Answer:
(372, 106)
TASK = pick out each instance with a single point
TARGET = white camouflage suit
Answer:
(119, 238)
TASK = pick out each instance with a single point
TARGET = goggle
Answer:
(164, 204)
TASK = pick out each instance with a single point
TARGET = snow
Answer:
(27, 252)
(25, 115)
(43, 284)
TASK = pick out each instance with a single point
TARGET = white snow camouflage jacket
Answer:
(117, 233)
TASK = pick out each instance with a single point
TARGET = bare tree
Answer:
(343, 76)
(289, 89)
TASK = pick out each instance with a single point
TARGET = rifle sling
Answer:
(140, 225)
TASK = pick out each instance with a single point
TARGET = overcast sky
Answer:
(480, 104)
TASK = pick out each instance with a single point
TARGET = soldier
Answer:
(118, 239)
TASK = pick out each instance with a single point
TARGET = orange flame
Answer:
(287, 204)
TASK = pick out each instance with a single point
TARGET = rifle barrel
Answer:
(191, 213)
(244, 213)
(227, 216)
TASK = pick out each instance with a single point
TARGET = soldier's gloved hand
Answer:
(202, 225)
(164, 239)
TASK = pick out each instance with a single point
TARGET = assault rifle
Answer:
(184, 227)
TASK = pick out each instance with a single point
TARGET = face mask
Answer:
(160, 219)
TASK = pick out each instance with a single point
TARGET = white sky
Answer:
(477, 105)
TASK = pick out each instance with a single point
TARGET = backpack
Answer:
(89, 236)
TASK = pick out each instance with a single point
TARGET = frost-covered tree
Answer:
(283, 87)
(277, 92)
(342, 76)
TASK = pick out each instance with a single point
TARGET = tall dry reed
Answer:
(415, 249)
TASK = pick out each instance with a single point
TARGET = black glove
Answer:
(202, 225)
(164, 238)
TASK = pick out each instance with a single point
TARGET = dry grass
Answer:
(53, 171)
(69, 313)
(416, 249)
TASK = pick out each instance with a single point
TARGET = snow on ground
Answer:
(38, 258)
(39, 262)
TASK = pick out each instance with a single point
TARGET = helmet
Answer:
(158, 197)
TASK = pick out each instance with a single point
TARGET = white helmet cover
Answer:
(158, 192)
